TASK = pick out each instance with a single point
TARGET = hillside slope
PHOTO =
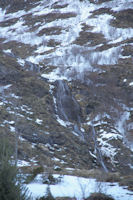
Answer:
(66, 82)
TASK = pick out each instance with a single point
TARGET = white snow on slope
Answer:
(63, 55)
(102, 25)
(107, 149)
(72, 186)
(39, 121)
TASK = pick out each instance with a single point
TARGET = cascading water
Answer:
(97, 149)
(67, 107)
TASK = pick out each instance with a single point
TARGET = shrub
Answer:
(10, 185)
(34, 173)
(48, 195)
(99, 196)
(50, 180)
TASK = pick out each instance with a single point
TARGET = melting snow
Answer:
(39, 121)
(107, 149)
(2, 88)
(72, 186)
(15, 96)
(56, 159)
(63, 54)
(62, 122)
(54, 75)
(9, 122)
(12, 129)
(131, 84)
(125, 80)
(1, 103)
(26, 109)
(21, 61)
(8, 51)
(22, 163)
(110, 136)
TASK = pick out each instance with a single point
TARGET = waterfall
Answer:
(98, 151)
(67, 107)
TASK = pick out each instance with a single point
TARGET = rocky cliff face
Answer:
(66, 82)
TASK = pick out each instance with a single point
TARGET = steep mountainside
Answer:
(66, 82)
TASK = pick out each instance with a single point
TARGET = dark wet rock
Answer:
(67, 107)
(53, 43)
(32, 86)
(127, 50)
(54, 16)
(57, 5)
(29, 132)
(91, 107)
(56, 138)
(123, 19)
(50, 31)
(97, 1)
(15, 5)
(88, 37)
(4, 70)
(102, 11)
(9, 70)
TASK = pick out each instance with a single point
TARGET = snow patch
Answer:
(2, 88)
(22, 163)
(78, 187)
(14, 96)
(9, 122)
(21, 61)
(54, 75)
(62, 122)
(125, 80)
(12, 129)
(39, 121)
(1, 103)
(8, 51)
(131, 84)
